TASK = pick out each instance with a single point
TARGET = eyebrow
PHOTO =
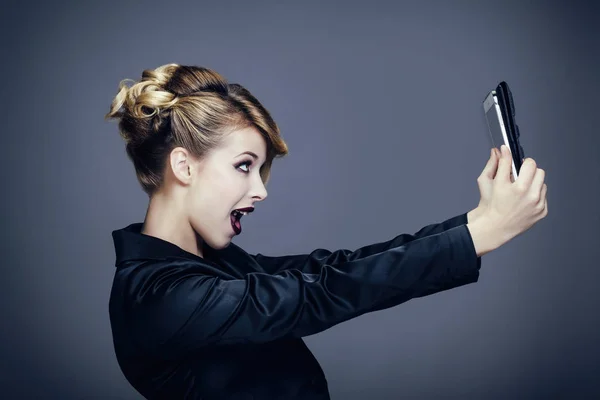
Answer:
(249, 153)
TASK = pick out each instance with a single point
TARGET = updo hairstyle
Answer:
(190, 107)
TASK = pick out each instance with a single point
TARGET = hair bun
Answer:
(145, 101)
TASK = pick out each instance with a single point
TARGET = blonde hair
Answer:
(190, 107)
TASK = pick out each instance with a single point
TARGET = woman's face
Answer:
(227, 179)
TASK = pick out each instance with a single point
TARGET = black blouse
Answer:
(229, 325)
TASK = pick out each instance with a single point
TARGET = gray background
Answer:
(380, 105)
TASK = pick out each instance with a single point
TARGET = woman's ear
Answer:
(181, 165)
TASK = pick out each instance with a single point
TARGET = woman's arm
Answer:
(320, 257)
(172, 308)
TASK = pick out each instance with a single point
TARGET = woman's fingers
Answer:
(537, 184)
(526, 174)
(543, 205)
(504, 166)
(489, 171)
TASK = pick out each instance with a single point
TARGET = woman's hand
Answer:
(512, 206)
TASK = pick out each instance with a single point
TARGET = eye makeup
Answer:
(248, 163)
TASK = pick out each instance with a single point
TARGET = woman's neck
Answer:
(165, 220)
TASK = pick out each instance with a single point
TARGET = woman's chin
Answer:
(222, 242)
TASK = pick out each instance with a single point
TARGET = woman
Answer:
(193, 315)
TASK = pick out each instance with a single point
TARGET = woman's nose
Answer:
(260, 191)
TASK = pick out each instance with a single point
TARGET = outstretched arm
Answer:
(276, 264)
(173, 307)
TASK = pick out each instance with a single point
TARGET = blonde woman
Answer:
(193, 315)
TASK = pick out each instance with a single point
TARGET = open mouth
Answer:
(236, 216)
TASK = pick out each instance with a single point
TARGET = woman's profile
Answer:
(194, 316)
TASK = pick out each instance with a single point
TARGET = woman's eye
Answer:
(247, 164)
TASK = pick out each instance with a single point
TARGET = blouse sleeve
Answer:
(277, 264)
(180, 310)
